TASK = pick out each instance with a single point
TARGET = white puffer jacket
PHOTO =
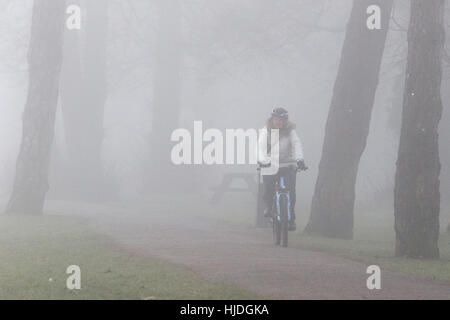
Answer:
(290, 147)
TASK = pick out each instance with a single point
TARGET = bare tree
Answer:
(417, 198)
(348, 122)
(44, 59)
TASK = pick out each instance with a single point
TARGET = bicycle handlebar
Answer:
(262, 166)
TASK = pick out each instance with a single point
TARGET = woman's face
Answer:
(277, 122)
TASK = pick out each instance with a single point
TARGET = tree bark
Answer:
(417, 198)
(348, 123)
(44, 59)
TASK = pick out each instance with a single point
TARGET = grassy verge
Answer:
(36, 252)
(374, 243)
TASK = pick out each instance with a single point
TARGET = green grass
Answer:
(34, 249)
(35, 252)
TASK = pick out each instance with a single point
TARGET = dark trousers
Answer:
(290, 177)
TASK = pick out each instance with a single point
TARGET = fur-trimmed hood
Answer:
(286, 130)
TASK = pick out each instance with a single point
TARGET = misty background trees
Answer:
(167, 84)
(78, 168)
(136, 70)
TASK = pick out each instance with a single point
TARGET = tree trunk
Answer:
(348, 122)
(83, 97)
(44, 59)
(167, 91)
(444, 125)
(417, 179)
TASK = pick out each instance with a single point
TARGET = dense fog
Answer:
(134, 71)
(240, 59)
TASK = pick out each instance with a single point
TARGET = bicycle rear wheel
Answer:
(276, 232)
(284, 223)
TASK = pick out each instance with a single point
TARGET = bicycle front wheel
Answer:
(276, 232)
(284, 223)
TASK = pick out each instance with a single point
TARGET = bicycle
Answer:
(282, 204)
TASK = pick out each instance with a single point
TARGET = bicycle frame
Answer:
(281, 205)
(282, 190)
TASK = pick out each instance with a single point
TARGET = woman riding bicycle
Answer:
(290, 150)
